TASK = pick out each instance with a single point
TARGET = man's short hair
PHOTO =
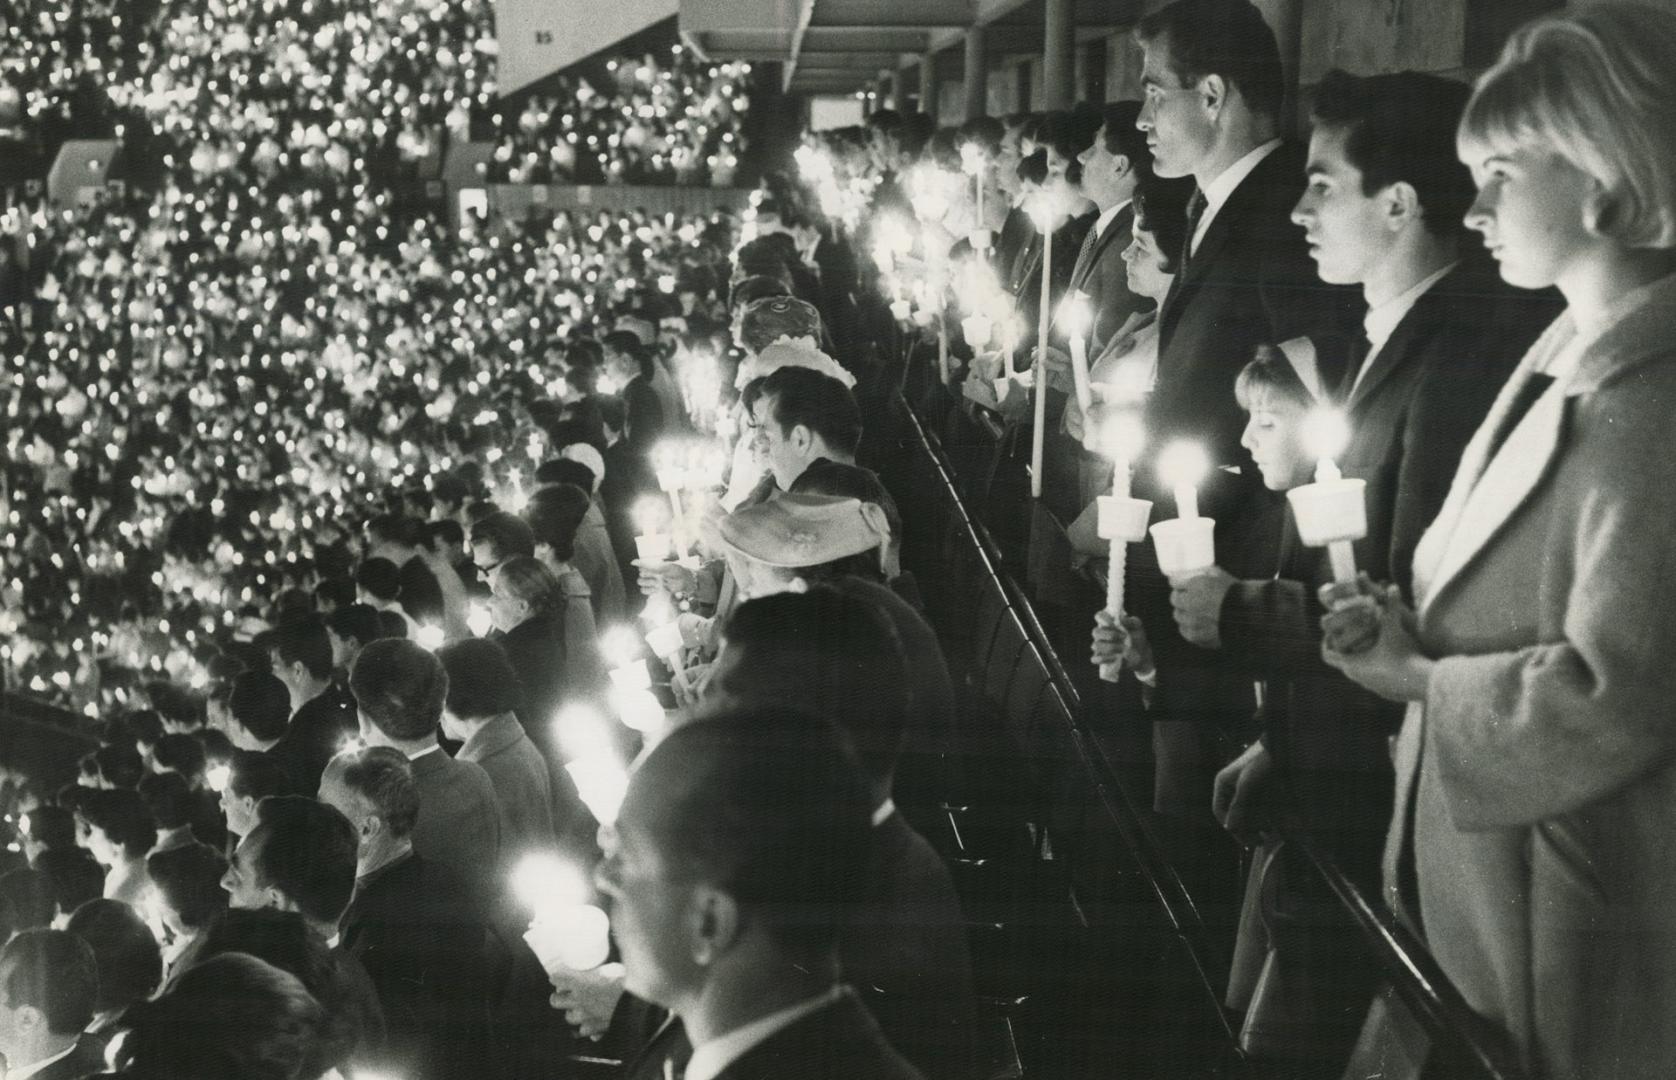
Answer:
(255, 775)
(261, 704)
(118, 764)
(400, 687)
(28, 900)
(169, 798)
(130, 963)
(54, 971)
(829, 653)
(392, 625)
(818, 402)
(305, 849)
(383, 777)
(189, 879)
(76, 876)
(143, 726)
(565, 471)
(1123, 138)
(122, 816)
(379, 578)
(181, 753)
(767, 805)
(304, 641)
(1400, 128)
(447, 533)
(336, 591)
(398, 529)
(555, 514)
(481, 679)
(1221, 37)
(505, 533)
(356, 622)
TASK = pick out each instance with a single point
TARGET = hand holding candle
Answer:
(1076, 316)
(566, 933)
(1331, 512)
(1122, 519)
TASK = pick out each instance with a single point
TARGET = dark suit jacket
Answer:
(595, 559)
(523, 788)
(459, 821)
(87, 1059)
(312, 738)
(1027, 283)
(1104, 276)
(412, 927)
(536, 648)
(1411, 414)
(839, 1042)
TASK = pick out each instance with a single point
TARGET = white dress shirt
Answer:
(712, 1058)
(1218, 190)
(1380, 322)
(1106, 217)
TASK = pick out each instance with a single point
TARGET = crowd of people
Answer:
(659, 119)
(424, 594)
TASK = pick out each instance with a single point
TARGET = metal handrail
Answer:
(1460, 1035)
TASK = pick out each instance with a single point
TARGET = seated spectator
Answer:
(130, 963)
(412, 921)
(399, 689)
(119, 832)
(232, 1017)
(740, 845)
(352, 1034)
(49, 984)
(480, 712)
(251, 777)
(300, 856)
(28, 901)
(186, 884)
(802, 416)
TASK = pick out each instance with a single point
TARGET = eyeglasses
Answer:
(481, 569)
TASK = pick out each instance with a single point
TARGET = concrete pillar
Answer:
(1058, 54)
(928, 84)
(901, 100)
(977, 74)
(1286, 19)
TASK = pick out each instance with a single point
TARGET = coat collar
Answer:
(1118, 226)
(1487, 492)
(492, 738)
(1421, 316)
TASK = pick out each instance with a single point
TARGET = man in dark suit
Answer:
(739, 846)
(1111, 167)
(400, 688)
(321, 717)
(411, 922)
(49, 982)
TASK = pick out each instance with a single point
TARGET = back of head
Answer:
(481, 681)
(1596, 87)
(284, 939)
(554, 514)
(188, 878)
(1221, 37)
(563, 470)
(122, 816)
(356, 622)
(169, 799)
(130, 964)
(1400, 128)
(252, 775)
(261, 704)
(231, 1017)
(767, 805)
(825, 652)
(528, 579)
(305, 849)
(382, 779)
(801, 396)
(379, 578)
(76, 878)
(180, 753)
(506, 535)
(304, 641)
(55, 972)
(28, 900)
(52, 827)
(118, 764)
(400, 687)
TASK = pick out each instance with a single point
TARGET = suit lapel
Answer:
(1391, 354)
(1241, 204)
(1097, 250)
(1504, 483)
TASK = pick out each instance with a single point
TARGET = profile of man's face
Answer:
(1178, 127)
(651, 911)
(240, 880)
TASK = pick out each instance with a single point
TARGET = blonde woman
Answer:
(1536, 772)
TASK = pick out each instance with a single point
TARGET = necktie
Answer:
(1534, 388)
(1195, 213)
(1085, 255)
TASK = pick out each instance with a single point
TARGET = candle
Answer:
(479, 621)
(977, 329)
(1043, 212)
(1122, 519)
(666, 642)
(1185, 544)
(638, 710)
(671, 479)
(1077, 316)
(430, 636)
(565, 932)
(600, 778)
(1331, 512)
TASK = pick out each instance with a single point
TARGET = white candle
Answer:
(1182, 466)
(1043, 213)
(1122, 519)
(1331, 511)
(1075, 314)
